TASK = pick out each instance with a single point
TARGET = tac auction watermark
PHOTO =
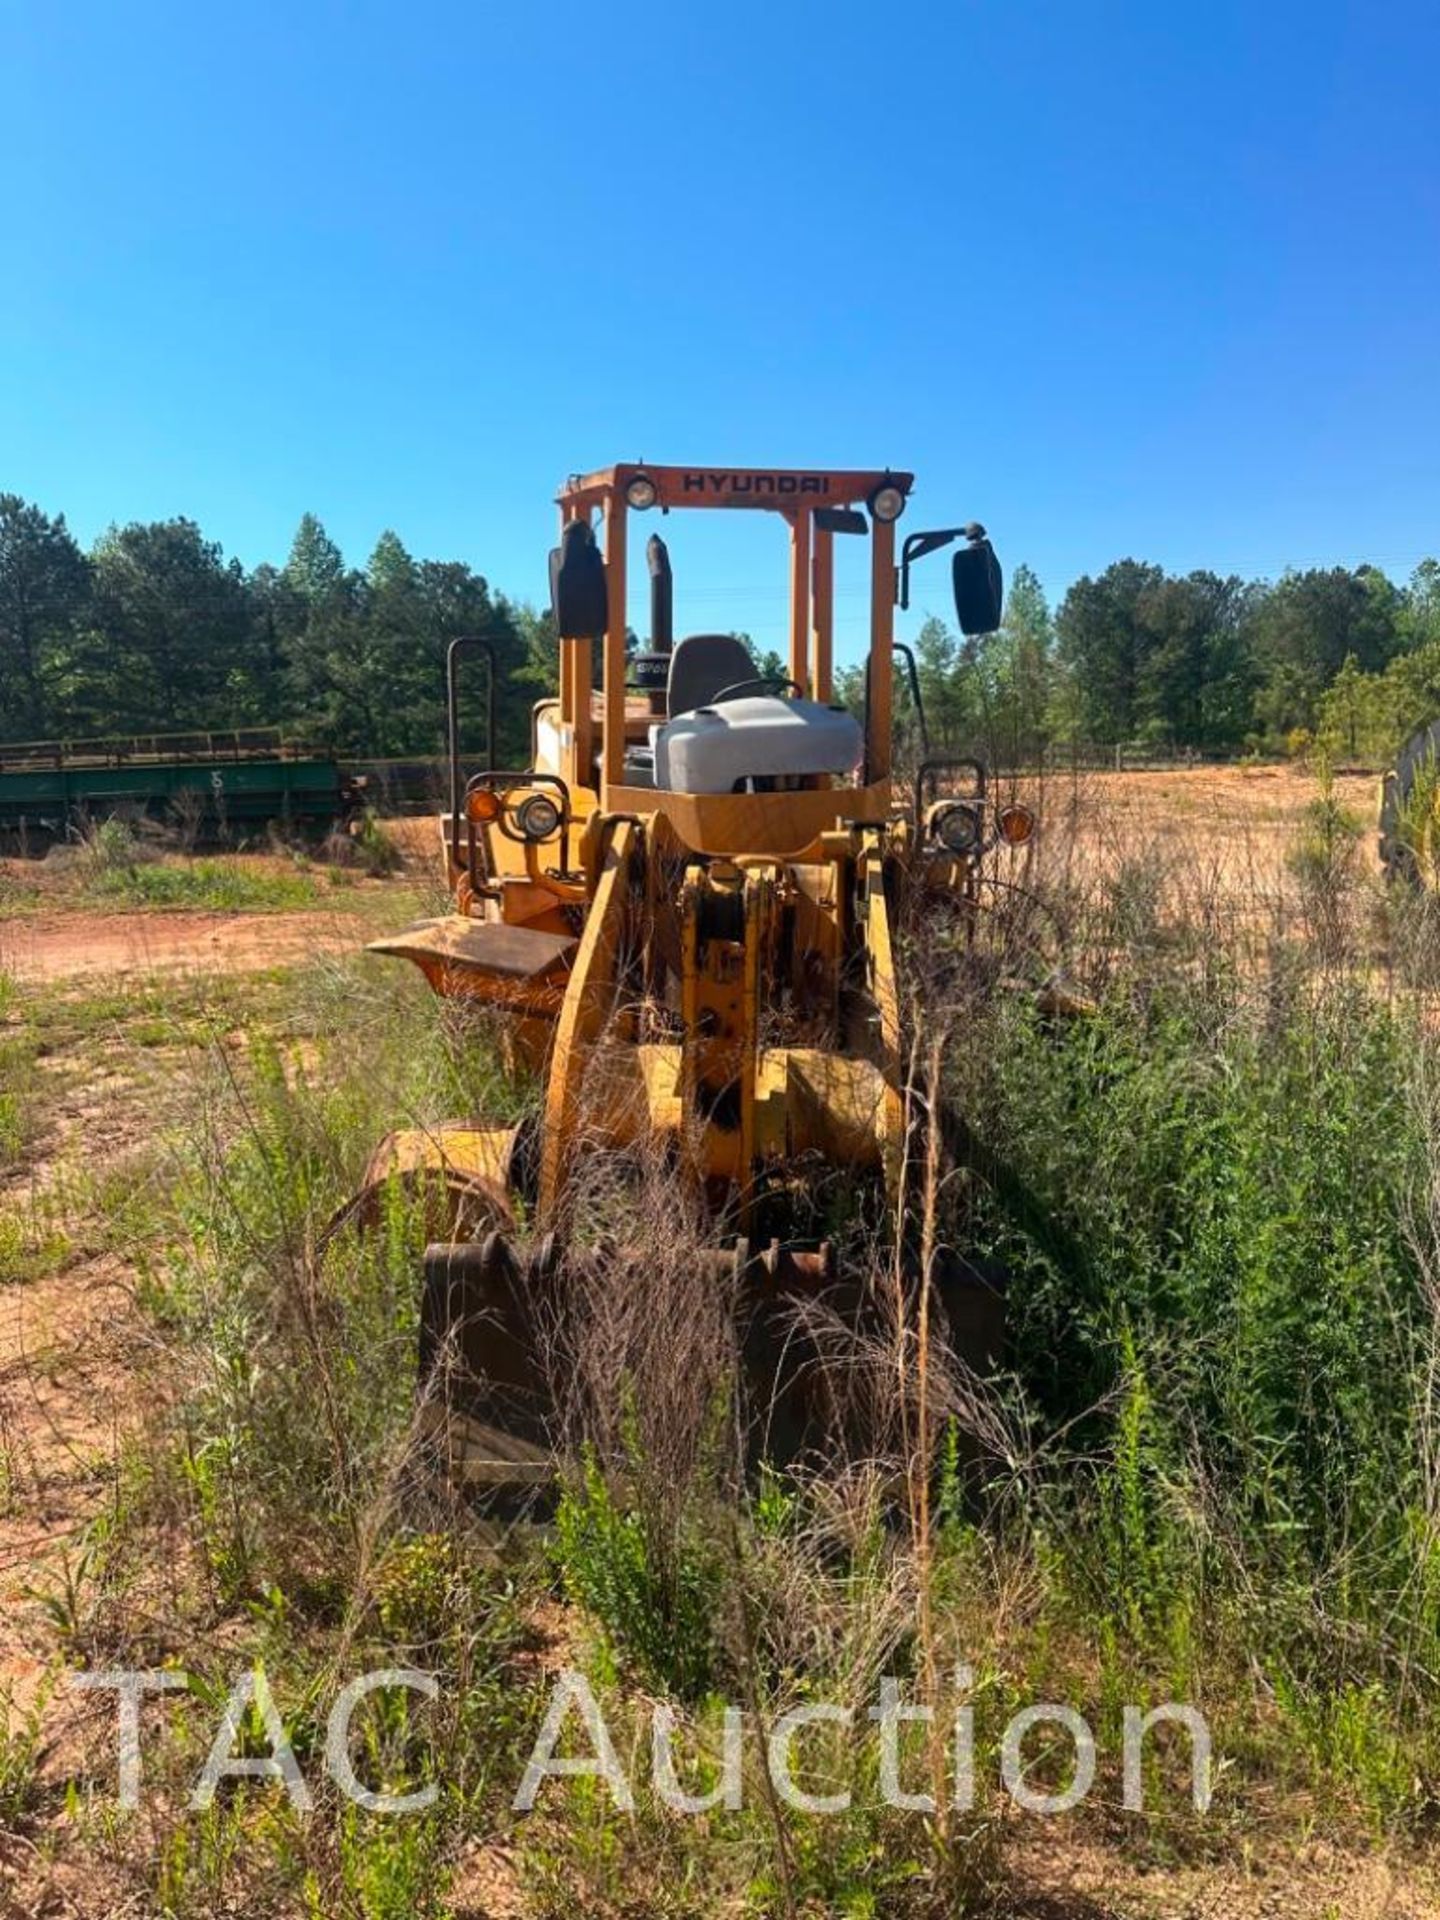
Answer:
(575, 1741)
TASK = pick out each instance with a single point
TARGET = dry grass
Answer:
(259, 1488)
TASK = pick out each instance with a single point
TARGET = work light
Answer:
(887, 502)
(640, 492)
(538, 817)
(957, 828)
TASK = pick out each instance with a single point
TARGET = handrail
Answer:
(912, 673)
(153, 749)
(458, 648)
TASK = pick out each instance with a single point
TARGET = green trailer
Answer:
(213, 783)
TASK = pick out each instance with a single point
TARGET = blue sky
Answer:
(1151, 279)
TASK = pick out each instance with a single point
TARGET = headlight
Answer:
(538, 817)
(957, 828)
(887, 502)
(640, 492)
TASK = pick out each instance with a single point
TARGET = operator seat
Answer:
(702, 665)
(710, 746)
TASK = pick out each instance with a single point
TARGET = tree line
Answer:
(1335, 657)
(154, 630)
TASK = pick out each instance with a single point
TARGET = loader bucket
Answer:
(485, 1393)
(810, 1348)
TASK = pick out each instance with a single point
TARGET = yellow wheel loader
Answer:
(685, 907)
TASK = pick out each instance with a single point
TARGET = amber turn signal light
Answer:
(1016, 825)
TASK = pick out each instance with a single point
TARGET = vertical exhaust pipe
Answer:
(662, 595)
(650, 670)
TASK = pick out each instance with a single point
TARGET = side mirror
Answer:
(979, 586)
(577, 584)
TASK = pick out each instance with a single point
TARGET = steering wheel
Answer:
(763, 682)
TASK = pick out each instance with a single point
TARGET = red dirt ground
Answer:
(74, 945)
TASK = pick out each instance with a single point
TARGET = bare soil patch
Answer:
(64, 1404)
(1083, 1881)
(49, 947)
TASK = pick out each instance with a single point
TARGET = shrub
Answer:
(656, 1598)
(1325, 855)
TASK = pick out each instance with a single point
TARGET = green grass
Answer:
(31, 1247)
(1214, 1202)
(71, 1018)
(19, 1052)
(22, 1741)
(14, 1129)
(117, 865)
(658, 1608)
(17, 896)
(219, 885)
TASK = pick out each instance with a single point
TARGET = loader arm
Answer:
(590, 1003)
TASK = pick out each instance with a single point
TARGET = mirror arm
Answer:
(916, 546)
